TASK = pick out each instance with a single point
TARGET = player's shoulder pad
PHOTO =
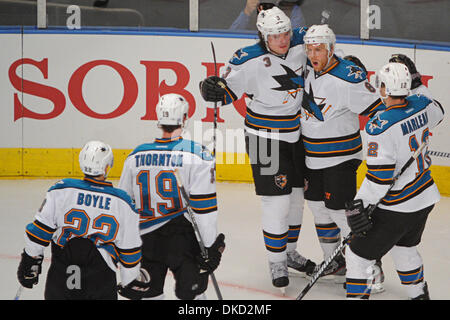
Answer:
(194, 148)
(143, 147)
(83, 185)
(297, 36)
(418, 100)
(177, 145)
(247, 53)
(378, 124)
(65, 183)
(386, 119)
(122, 194)
(153, 146)
(348, 71)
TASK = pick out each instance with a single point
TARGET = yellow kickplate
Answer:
(63, 163)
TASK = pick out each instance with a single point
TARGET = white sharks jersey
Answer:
(148, 176)
(275, 86)
(422, 90)
(392, 137)
(331, 104)
(94, 210)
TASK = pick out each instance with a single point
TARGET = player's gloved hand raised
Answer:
(358, 218)
(29, 270)
(213, 88)
(137, 288)
(214, 255)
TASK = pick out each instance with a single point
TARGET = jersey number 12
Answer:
(414, 145)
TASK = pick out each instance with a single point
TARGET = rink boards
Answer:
(60, 89)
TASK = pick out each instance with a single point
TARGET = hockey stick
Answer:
(35, 272)
(327, 262)
(201, 244)
(18, 293)
(215, 103)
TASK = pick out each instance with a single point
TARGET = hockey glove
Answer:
(214, 255)
(358, 218)
(137, 288)
(29, 270)
(213, 89)
(415, 75)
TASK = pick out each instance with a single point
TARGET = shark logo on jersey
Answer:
(377, 123)
(310, 105)
(356, 72)
(290, 82)
(303, 30)
(239, 54)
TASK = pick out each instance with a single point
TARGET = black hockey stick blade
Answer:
(323, 267)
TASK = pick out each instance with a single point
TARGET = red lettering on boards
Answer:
(36, 89)
(155, 88)
(76, 89)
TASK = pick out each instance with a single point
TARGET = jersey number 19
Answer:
(165, 187)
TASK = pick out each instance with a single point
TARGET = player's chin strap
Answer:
(327, 262)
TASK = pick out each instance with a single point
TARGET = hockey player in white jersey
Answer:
(93, 229)
(270, 73)
(169, 241)
(417, 87)
(336, 92)
(397, 223)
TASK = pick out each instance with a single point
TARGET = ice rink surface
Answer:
(243, 273)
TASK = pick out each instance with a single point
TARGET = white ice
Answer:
(243, 273)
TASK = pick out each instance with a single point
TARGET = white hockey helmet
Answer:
(318, 34)
(396, 79)
(96, 158)
(171, 110)
(273, 21)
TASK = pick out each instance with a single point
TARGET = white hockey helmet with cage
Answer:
(396, 79)
(318, 34)
(171, 110)
(96, 158)
(273, 21)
